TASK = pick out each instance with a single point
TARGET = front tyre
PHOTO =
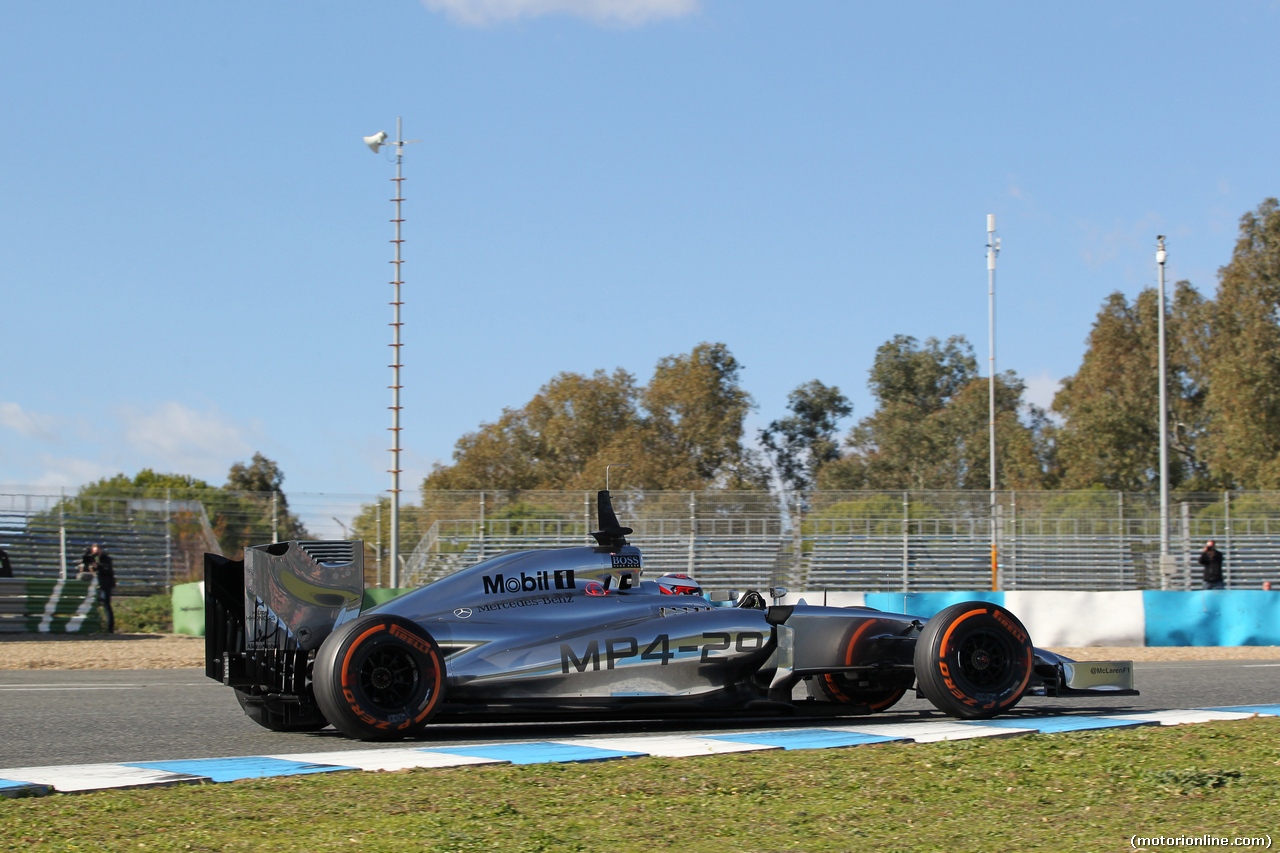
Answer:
(379, 677)
(973, 660)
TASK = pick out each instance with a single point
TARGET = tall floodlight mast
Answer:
(993, 249)
(375, 142)
(1164, 412)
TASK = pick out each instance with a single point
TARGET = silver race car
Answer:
(580, 633)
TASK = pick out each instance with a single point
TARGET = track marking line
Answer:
(96, 777)
(242, 767)
(537, 752)
(88, 777)
(408, 758)
(807, 738)
(670, 746)
(5, 688)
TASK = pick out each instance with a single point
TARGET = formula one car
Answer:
(578, 633)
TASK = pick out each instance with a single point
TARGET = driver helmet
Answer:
(674, 583)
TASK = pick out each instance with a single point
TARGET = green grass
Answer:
(150, 615)
(1072, 792)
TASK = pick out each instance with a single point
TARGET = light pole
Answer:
(993, 249)
(1164, 414)
(375, 142)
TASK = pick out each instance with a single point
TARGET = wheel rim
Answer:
(984, 658)
(389, 678)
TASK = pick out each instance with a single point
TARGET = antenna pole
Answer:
(993, 249)
(395, 367)
(1164, 411)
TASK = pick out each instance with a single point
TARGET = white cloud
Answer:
(178, 438)
(169, 437)
(71, 472)
(1041, 389)
(618, 13)
(27, 424)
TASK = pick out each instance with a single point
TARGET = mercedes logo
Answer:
(462, 612)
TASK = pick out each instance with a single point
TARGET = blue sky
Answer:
(193, 239)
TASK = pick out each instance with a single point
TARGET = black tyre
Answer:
(379, 678)
(973, 660)
(279, 717)
(877, 693)
(846, 688)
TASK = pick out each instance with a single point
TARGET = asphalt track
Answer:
(76, 717)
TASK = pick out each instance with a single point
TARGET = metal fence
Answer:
(154, 540)
(863, 541)
(876, 541)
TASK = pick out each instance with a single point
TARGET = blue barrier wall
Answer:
(1243, 617)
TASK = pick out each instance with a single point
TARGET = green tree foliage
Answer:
(1110, 434)
(930, 430)
(254, 485)
(239, 513)
(681, 431)
(800, 444)
(691, 428)
(550, 441)
(1243, 400)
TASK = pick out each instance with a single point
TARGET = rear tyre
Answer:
(279, 718)
(379, 677)
(846, 688)
(973, 660)
(858, 688)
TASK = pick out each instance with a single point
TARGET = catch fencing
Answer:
(911, 541)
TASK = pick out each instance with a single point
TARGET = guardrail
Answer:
(49, 607)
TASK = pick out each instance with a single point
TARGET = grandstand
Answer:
(740, 561)
(838, 541)
(47, 541)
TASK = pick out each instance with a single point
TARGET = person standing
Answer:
(6, 568)
(98, 562)
(1211, 559)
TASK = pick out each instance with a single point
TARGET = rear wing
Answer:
(266, 614)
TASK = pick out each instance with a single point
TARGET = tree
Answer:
(1110, 434)
(799, 445)
(549, 442)
(681, 431)
(1243, 400)
(257, 519)
(692, 430)
(930, 429)
(238, 514)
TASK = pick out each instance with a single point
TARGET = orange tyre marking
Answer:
(346, 661)
(889, 700)
(1023, 686)
(942, 652)
(438, 674)
(942, 647)
(848, 661)
(853, 641)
